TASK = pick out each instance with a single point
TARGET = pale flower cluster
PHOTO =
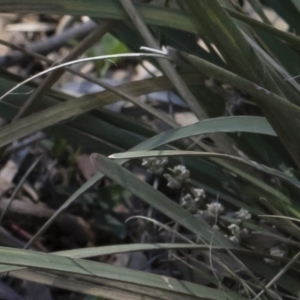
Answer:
(193, 200)
(276, 252)
(214, 209)
(155, 165)
(193, 203)
(243, 215)
(180, 175)
(238, 232)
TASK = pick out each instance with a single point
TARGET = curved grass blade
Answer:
(266, 189)
(224, 124)
(160, 115)
(81, 60)
(176, 153)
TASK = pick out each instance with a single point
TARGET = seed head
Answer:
(180, 175)
(155, 165)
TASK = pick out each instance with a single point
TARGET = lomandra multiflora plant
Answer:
(228, 192)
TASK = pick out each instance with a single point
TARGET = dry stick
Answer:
(20, 184)
(44, 87)
(220, 140)
(50, 44)
(27, 51)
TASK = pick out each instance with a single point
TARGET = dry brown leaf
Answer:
(7, 175)
(85, 166)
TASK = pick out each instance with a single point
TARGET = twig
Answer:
(51, 44)
(20, 184)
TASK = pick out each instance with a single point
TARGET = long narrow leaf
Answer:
(286, 126)
(214, 21)
(70, 109)
(43, 261)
